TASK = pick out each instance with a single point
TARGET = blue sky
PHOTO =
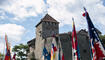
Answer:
(19, 17)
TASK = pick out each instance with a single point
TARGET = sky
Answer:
(19, 17)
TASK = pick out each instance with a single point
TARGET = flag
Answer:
(75, 49)
(14, 57)
(60, 52)
(54, 50)
(46, 55)
(97, 49)
(6, 42)
(8, 54)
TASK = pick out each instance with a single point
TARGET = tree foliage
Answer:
(1, 55)
(103, 39)
(21, 51)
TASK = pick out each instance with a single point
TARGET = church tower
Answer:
(47, 27)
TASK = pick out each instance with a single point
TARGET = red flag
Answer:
(75, 51)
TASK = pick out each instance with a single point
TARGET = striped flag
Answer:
(60, 52)
(97, 49)
(54, 50)
(8, 54)
(75, 49)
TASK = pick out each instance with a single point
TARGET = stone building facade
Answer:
(48, 27)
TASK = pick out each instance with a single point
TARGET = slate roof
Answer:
(47, 18)
(31, 42)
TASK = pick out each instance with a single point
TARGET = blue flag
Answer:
(46, 54)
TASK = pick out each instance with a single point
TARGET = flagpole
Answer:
(4, 52)
(72, 43)
(89, 38)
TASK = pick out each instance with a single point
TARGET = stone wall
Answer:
(49, 29)
(66, 46)
(39, 42)
(83, 41)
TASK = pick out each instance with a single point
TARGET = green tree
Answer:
(21, 51)
(103, 39)
(1, 55)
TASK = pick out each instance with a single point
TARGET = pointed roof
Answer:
(47, 18)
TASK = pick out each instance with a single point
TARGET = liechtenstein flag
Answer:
(97, 49)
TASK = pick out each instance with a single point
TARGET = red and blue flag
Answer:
(75, 48)
(97, 49)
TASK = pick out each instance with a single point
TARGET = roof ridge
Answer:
(47, 17)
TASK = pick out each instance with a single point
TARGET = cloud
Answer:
(2, 47)
(2, 15)
(23, 8)
(13, 31)
(63, 11)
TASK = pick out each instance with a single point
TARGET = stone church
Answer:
(47, 27)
